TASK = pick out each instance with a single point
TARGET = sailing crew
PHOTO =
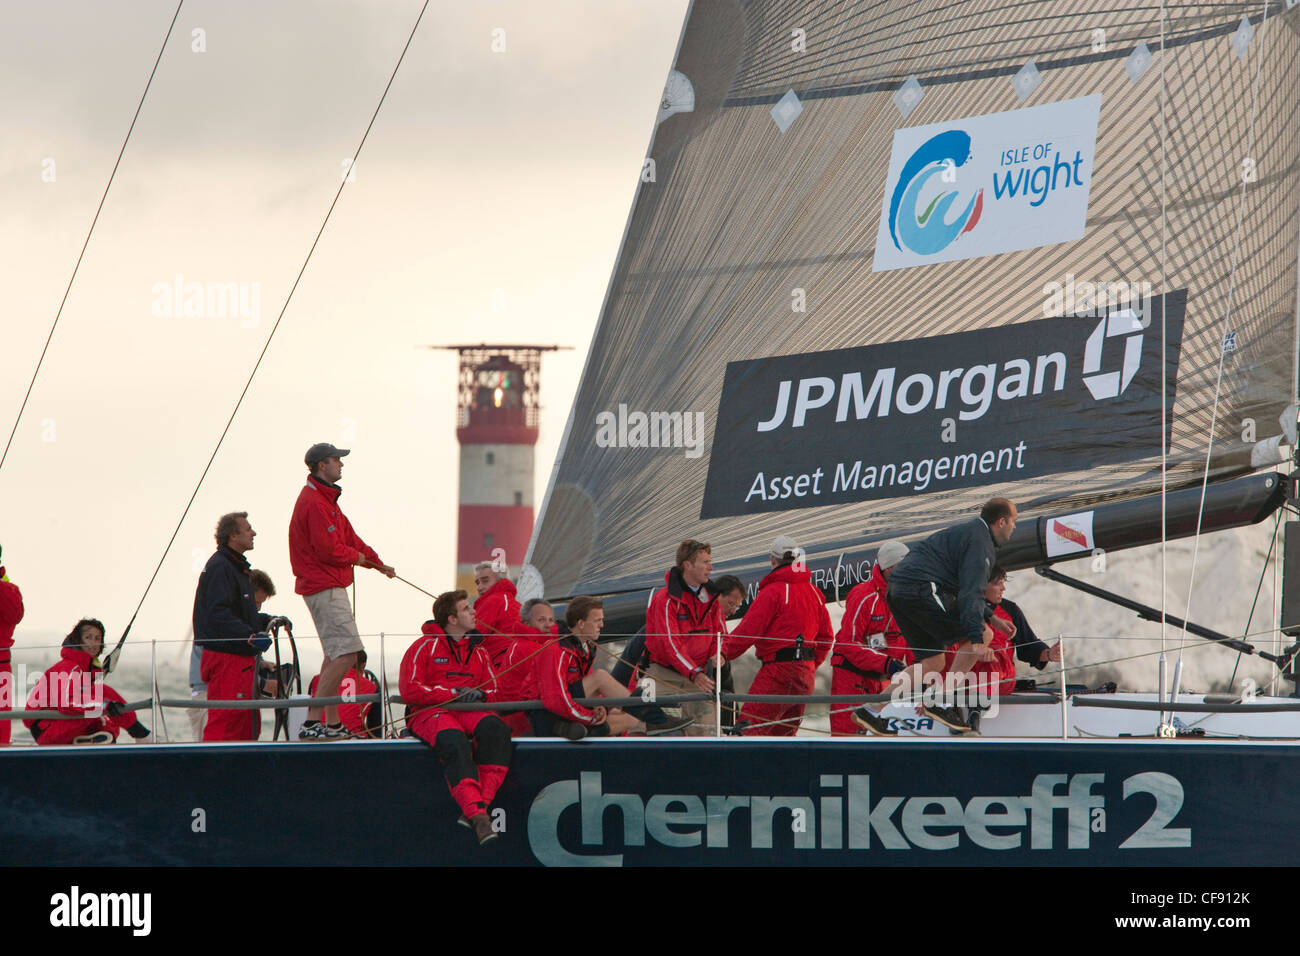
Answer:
(496, 612)
(229, 629)
(564, 671)
(790, 631)
(11, 612)
(448, 664)
(730, 593)
(869, 649)
(682, 624)
(936, 594)
(323, 549)
(536, 629)
(75, 686)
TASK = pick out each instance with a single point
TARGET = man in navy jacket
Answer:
(229, 628)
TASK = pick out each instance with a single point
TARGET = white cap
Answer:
(890, 553)
(783, 544)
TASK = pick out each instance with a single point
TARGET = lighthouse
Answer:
(497, 414)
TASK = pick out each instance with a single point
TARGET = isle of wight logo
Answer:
(927, 231)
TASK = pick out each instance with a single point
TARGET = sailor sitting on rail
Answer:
(449, 665)
(74, 686)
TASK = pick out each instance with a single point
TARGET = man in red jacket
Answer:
(682, 624)
(869, 648)
(496, 612)
(790, 631)
(565, 671)
(323, 549)
(448, 664)
(11, 612)
(532, 634)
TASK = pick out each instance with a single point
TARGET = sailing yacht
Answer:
(885, 261)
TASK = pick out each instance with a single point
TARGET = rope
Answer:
(95, 219)
(1227, 315)
(266, 346)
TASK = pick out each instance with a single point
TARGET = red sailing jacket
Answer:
(73, 686)
(787, 606)
(322, 545)
(1002, 668)
(515, 666)
(11, 612)
(435, 664)
(868, 635)
(555, 668)
(496, 616)
(680, 629)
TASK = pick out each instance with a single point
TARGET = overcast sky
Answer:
(509, 170)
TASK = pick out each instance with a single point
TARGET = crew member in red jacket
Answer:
(682, 624)
(11, 612)
(448, 664)
(869, 648)
(75, 686)
(790, 631)
(323, 549)
(534, 632)
(564, 671)
(361, 720)
(496, 612)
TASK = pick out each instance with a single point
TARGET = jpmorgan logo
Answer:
(1124, 324)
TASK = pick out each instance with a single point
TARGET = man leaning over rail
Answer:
(936, 594)
(449, 665)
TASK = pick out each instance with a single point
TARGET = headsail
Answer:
(934, 247)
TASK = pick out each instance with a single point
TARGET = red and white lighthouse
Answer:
(496, 424)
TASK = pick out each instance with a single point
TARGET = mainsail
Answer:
(889, 259)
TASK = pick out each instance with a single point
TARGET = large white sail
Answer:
(859, 290)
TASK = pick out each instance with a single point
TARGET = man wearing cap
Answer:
(323, 549)
(936, 594)
(868, 648)
(790, 631)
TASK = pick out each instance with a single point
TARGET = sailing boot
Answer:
(872, 722)
(482, 828)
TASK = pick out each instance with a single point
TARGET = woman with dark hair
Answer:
(75, 686)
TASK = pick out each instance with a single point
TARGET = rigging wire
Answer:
(1263, 571)
(267, 345)
(1227, 315)
(90, 232)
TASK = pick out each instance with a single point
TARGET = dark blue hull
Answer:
(659, 802)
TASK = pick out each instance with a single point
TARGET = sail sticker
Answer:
(1069, 534)
(985, 185)
(923, 416)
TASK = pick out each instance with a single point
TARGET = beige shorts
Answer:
(332, 615)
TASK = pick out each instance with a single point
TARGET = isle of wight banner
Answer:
(988, 184)
(932, 415)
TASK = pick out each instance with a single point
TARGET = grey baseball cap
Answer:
(322, 450)
(890, 553)
(782, 545)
